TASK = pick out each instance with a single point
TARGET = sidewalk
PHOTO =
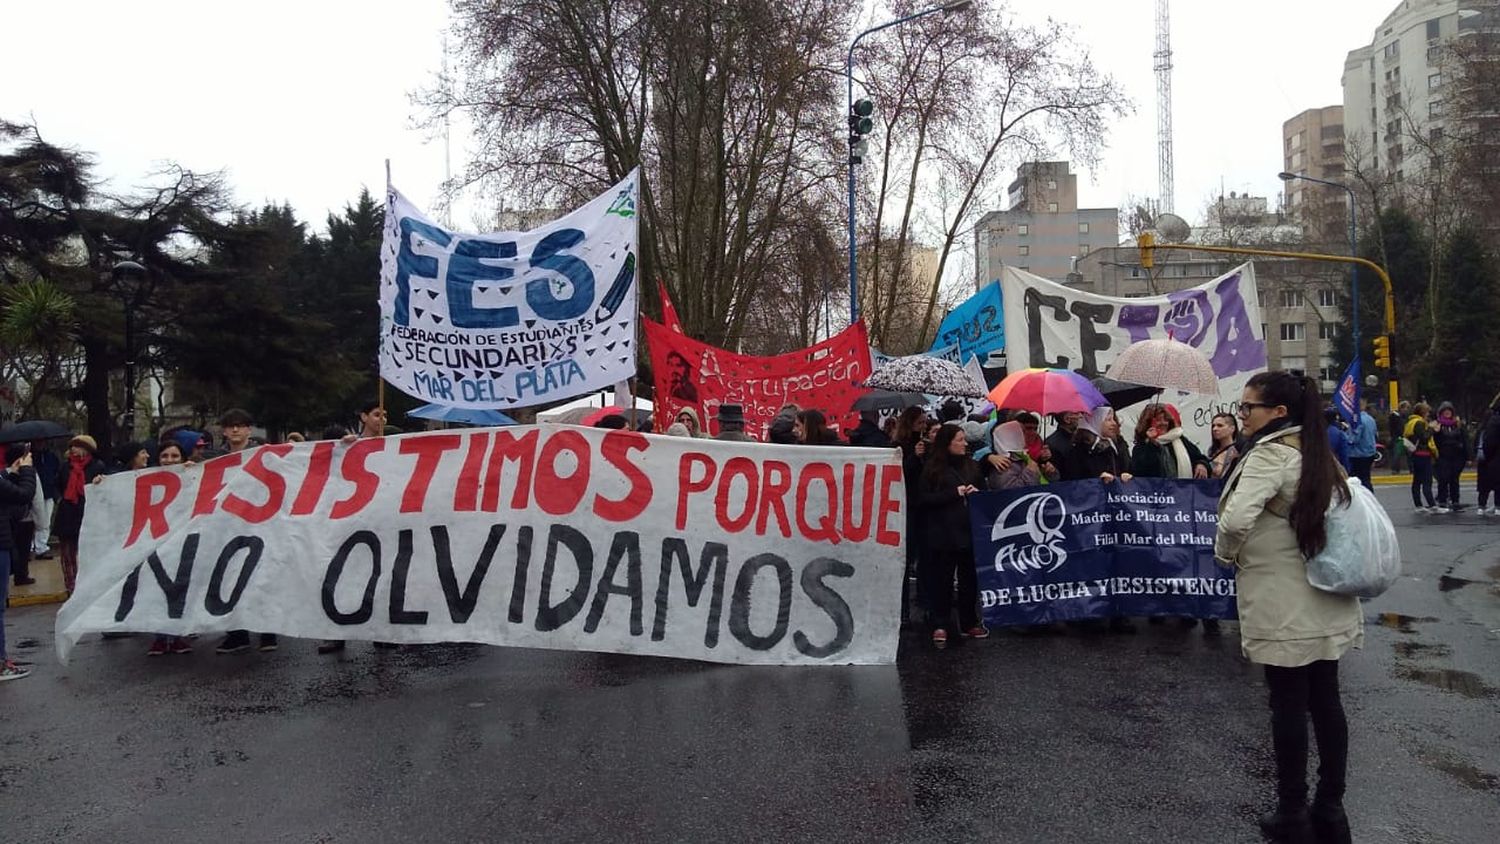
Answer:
(48, 588)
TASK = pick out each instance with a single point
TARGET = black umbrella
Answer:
(1122, 394)
(888, 400)
(32, 429)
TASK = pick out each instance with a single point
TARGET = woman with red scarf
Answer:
(80, 470)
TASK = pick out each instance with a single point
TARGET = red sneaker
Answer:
(158, 647)
(977, 632)
(181, 646)
(940, 638)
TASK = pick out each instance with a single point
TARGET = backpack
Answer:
(1362, 557)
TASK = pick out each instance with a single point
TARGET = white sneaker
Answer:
(1441, 509)
(1421, 509)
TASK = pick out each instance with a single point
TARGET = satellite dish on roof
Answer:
(1173, 228)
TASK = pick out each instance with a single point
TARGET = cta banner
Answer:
(1050, 325)
(1087, 549)
(529, 536)
(977, 326)
(509, 319)
(690, 373)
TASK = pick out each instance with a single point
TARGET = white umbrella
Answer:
(1166, 364)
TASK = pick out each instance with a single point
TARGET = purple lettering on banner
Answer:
(1190, 316)
(1138, 320)
(1238, 350)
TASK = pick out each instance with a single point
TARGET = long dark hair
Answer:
(1320, 472)
(938, 457)
(815, 428)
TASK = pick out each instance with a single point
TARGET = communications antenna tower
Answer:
(1163, 66)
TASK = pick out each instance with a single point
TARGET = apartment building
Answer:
(1043, 230)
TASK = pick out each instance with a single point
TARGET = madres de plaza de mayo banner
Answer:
(509, 319)
(532, 536)
(1087, 549)
(1050, 325)
(689, 373)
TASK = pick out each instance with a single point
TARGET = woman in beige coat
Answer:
(1271, 520)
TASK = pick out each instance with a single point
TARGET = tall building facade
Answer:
(1312, 144)
(1043, 230)
(1395, 89)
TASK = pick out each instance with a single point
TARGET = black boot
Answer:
(1330, 824)
(1291, 824)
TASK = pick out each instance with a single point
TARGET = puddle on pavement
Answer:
(25, 644)
(1464, 683)
(1448, 583)
(1400, 622)
(1463, 772)
(1412, 650)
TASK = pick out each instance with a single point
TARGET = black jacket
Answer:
(15, 491)
(1088, 463)
(869, 435)
(1452, 443)
(1061, 444)
(70, 514)
(943, 513)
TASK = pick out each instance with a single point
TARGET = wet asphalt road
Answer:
(1156, 737)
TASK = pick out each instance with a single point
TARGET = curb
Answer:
(1404, 479)
(36, 600)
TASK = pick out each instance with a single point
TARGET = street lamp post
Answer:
(129, 276)
(1353, 249)
(958, 6)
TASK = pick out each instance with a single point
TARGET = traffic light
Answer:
(860, 125)
(1147, 243)
(1382, 352)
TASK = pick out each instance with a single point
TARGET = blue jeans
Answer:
(1421, 480)
(4, 595)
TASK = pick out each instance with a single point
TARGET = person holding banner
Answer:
(371, 424)
(1097, 452)
(236, 423)
(948, 476)
(76, 477)
(1272, 519)
(170, 454)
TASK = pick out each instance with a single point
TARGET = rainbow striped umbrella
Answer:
(1047, 391)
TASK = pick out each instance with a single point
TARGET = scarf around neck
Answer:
(73, 493)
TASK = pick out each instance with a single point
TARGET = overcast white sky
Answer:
(303, 101)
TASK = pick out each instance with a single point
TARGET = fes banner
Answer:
(977, 326)
(693, 374)
(530, 536)
(1050, 325)
(509, 319)
(1087, 549)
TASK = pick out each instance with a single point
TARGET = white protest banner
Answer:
(1049, 325)
(533, 536)
(509, 319)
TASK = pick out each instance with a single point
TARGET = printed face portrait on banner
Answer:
(1053, 326)
(509, 319)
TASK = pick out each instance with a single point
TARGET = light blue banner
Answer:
(977, 326)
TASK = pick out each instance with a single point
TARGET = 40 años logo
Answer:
(1033, 526)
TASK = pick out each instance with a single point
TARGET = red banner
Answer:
(692, 374)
